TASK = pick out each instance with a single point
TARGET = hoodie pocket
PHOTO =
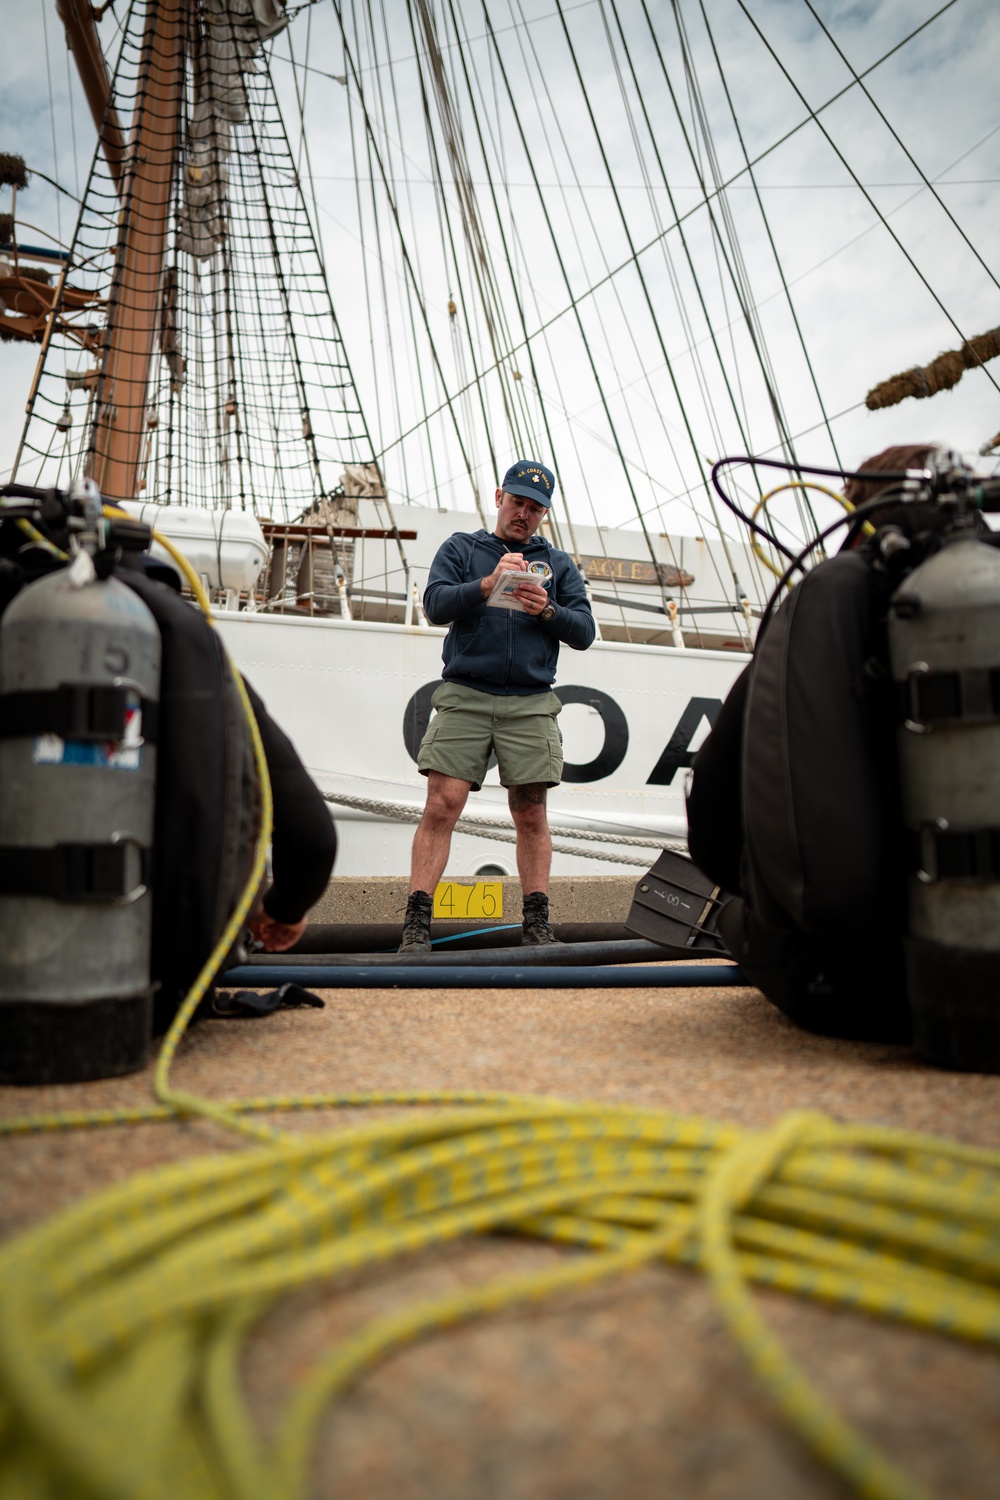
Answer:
(467, 637)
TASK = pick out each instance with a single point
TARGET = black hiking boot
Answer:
(417, 924)
(535, 927)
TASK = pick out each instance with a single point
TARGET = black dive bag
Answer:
(794, 807)
(207, 796)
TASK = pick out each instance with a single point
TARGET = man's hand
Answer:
(510, 562)
(276, 937)
(532, 596)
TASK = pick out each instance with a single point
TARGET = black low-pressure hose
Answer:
(527, 976)
(547, 955)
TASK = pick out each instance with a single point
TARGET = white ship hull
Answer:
(347, 691)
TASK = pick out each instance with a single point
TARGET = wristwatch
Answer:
(547, 612)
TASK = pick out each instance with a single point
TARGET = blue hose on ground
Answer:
(483, 977)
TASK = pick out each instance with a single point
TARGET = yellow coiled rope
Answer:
(122, 1319)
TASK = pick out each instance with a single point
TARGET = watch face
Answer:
(547, 612)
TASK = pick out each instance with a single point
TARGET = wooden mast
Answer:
(145, 189)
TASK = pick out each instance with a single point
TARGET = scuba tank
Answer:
(944, 644)
(79, 683)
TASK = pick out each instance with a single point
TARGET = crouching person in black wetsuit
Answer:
(303, 844)
(303, 849)
(793, 805)
(207, 805)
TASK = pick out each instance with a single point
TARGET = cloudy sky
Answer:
(666, 362)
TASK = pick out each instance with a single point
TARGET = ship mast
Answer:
(145, 180)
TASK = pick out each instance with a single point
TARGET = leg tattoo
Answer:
(532, 795)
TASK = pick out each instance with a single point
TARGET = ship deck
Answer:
(630, 1388)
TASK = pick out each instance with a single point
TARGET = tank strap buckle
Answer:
(969, 695)
(115, 872)
(74, 711)
(944, 853)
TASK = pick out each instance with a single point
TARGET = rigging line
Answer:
(810, 270)
(686, 187)
(291, 341)
(669, 266)
(542, 329)
(405, 252)
(364, 17)
(445, 226)
(775, 447)
(707, 198)
(377, 384)
(645, 377)
(273, 382)
(479, 273)
(527, 391)
(680, 300)
(399, 129)
(749, 300)
(72, 129)
(529, 40)
(732, 261)
(533, 410)
(565, 275)
(649, 301)
(735, 260)
(344, 362)
(670, 198)
(403, 286)
(774, 248)
(37, 172)
(553, 362)
(234, 351)
(911, 159)
(300, 99)
(512, 273)
(416, 57)
(867, 196)
(52, 115)
(581, 255)
(571, 422)
(717, 192)
(40, 369)
(655, 483)
(482, 270)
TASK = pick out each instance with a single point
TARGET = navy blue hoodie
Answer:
(503, 651)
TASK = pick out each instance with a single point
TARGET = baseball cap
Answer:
(532, 480)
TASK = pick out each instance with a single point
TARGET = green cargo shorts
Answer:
(467, 725)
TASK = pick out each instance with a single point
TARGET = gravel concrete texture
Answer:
(630, 1389)
(572, 898)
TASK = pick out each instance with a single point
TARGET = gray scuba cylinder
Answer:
(79, 683)
(944, 644)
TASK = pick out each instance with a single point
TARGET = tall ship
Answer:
(332, 268)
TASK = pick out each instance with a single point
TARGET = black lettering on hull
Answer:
(677, 755)
(613, 751)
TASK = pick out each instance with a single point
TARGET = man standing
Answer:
(499, 665)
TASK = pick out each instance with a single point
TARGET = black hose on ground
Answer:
(562, 955)
(448, 937)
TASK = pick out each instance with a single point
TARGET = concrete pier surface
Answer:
(572, 898)
(630, 1389)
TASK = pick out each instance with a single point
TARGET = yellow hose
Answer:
(123, 1318)
(795, 484)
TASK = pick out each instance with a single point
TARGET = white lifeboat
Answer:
(224, 547)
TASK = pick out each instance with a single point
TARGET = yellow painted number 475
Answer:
(484, 900)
